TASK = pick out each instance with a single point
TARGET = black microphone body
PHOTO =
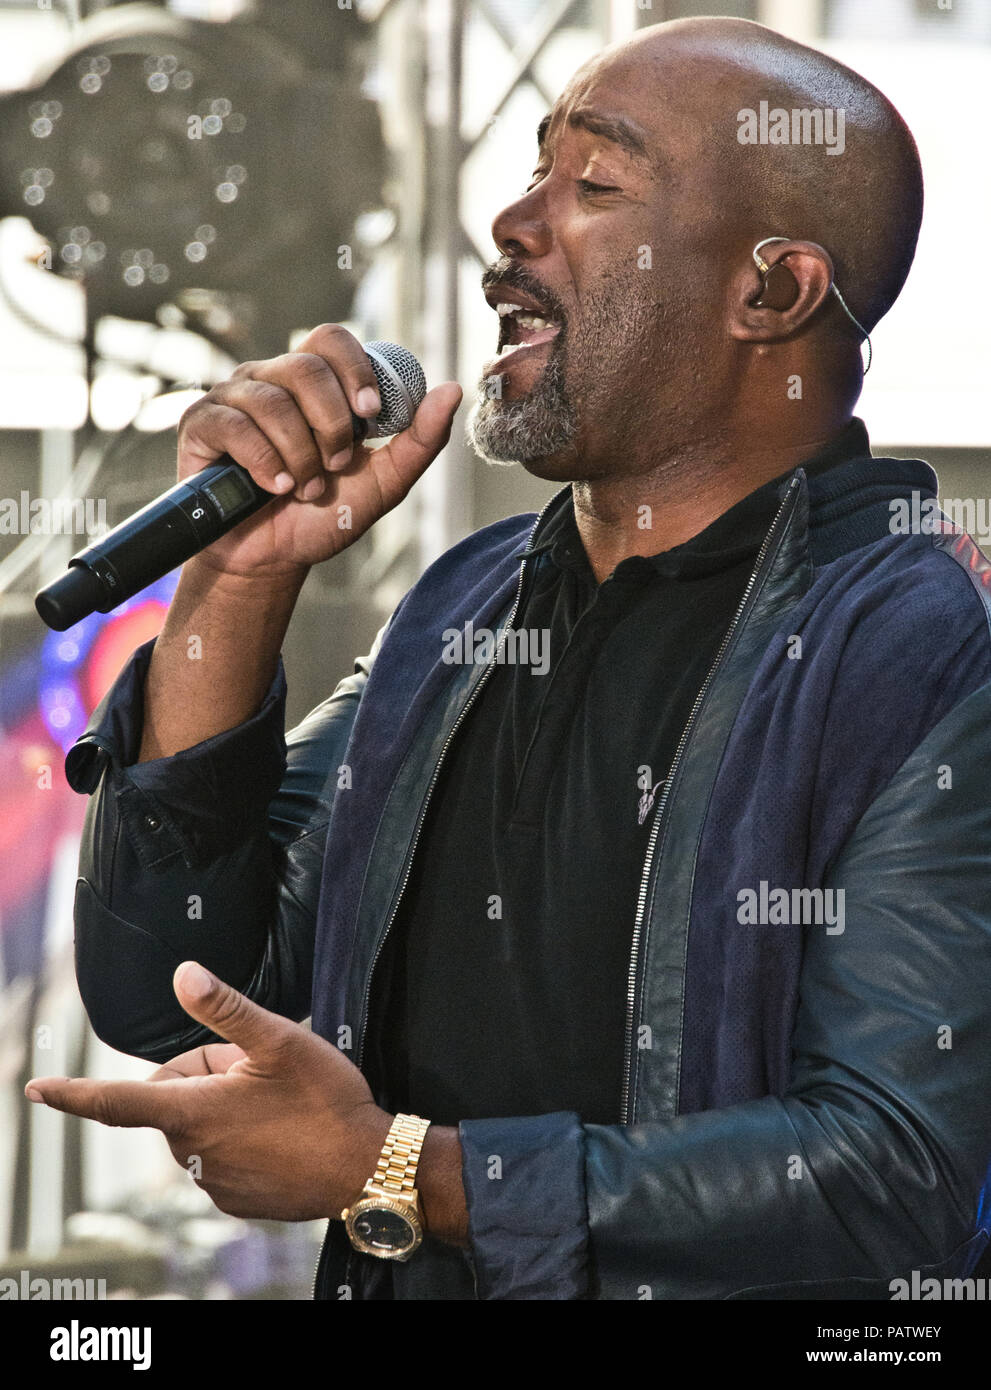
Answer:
(165, 533)
(200, 509)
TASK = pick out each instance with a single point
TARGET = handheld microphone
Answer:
(202, 508)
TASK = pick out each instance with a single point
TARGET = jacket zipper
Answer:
(479, 686)
(632, 979)
(359, 1055)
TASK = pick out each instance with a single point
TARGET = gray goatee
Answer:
(533, 427)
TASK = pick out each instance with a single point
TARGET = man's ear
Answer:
(768, 306)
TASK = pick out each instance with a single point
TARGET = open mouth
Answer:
(523, 326)
(519, 327)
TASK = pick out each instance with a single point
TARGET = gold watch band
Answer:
(396, 1168)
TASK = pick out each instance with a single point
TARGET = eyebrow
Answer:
(618, 129)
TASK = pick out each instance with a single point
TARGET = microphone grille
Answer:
(402, 386)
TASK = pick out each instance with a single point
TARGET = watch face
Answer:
(381, 1229)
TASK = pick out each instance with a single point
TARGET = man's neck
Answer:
(645, 514)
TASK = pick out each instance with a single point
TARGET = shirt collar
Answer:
(730, 538)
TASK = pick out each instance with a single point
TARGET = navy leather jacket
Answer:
(806, 1110)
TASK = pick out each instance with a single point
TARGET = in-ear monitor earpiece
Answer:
(780, 290)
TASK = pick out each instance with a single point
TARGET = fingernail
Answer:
(283, 482)
(340, 460)
(367, 401)
(196, 981)
(312, 490)
(34, 1095)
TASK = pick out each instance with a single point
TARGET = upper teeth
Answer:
(525, 319)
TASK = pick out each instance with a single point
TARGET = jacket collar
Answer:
(849, 492)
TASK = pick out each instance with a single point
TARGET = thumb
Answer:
(226, 1011)
(410, 453)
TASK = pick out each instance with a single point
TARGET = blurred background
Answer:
(188, 185)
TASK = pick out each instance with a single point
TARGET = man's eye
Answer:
(586, 186)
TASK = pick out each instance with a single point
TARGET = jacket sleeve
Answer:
(873, 1162)
(213, 854)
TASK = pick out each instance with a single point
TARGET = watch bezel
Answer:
(376, 1199)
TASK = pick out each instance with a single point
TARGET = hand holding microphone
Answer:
(304, 485)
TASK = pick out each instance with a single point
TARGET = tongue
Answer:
(530, 337)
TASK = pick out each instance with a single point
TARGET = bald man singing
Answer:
(636, 880)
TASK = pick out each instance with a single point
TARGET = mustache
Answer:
(508, 274)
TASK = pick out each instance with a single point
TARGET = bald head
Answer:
(859, 195)
(662, 165)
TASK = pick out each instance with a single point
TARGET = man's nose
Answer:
(521, 230)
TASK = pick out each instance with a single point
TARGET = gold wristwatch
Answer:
(385, 1220)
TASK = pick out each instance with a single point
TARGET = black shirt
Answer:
(502, 987)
